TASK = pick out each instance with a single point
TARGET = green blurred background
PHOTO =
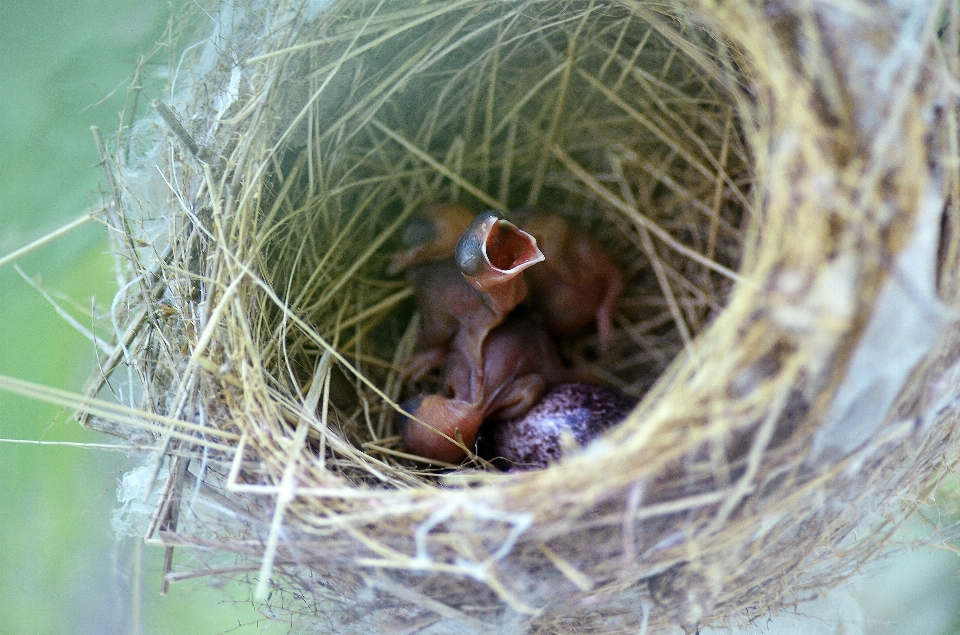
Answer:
(64, 66)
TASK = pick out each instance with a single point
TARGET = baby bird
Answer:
(440, 428)
(520, 362)
(445, 300)
(579, 284)
(431, 235)
(491, 253)
(462, 300)
(499, 368)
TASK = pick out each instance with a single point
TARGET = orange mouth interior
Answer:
(508, 247)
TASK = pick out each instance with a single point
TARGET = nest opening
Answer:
(623, 132)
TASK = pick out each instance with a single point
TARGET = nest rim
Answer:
(647, 437)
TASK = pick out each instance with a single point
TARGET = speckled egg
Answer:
(569, 416)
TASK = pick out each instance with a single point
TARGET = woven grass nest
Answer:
(775, 181)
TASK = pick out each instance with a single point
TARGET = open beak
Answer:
(492, 251)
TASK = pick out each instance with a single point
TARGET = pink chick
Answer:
(578, 284)
(431, 235)
(520, 362)
(462, 301)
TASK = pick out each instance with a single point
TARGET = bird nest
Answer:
(775, 183)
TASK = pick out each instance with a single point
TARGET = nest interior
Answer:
(765, 202)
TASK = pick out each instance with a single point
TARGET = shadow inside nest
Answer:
(620, 134)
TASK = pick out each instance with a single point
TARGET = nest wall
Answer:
(776, 183)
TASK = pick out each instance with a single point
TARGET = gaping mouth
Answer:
(509, 248)
(492, 251)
